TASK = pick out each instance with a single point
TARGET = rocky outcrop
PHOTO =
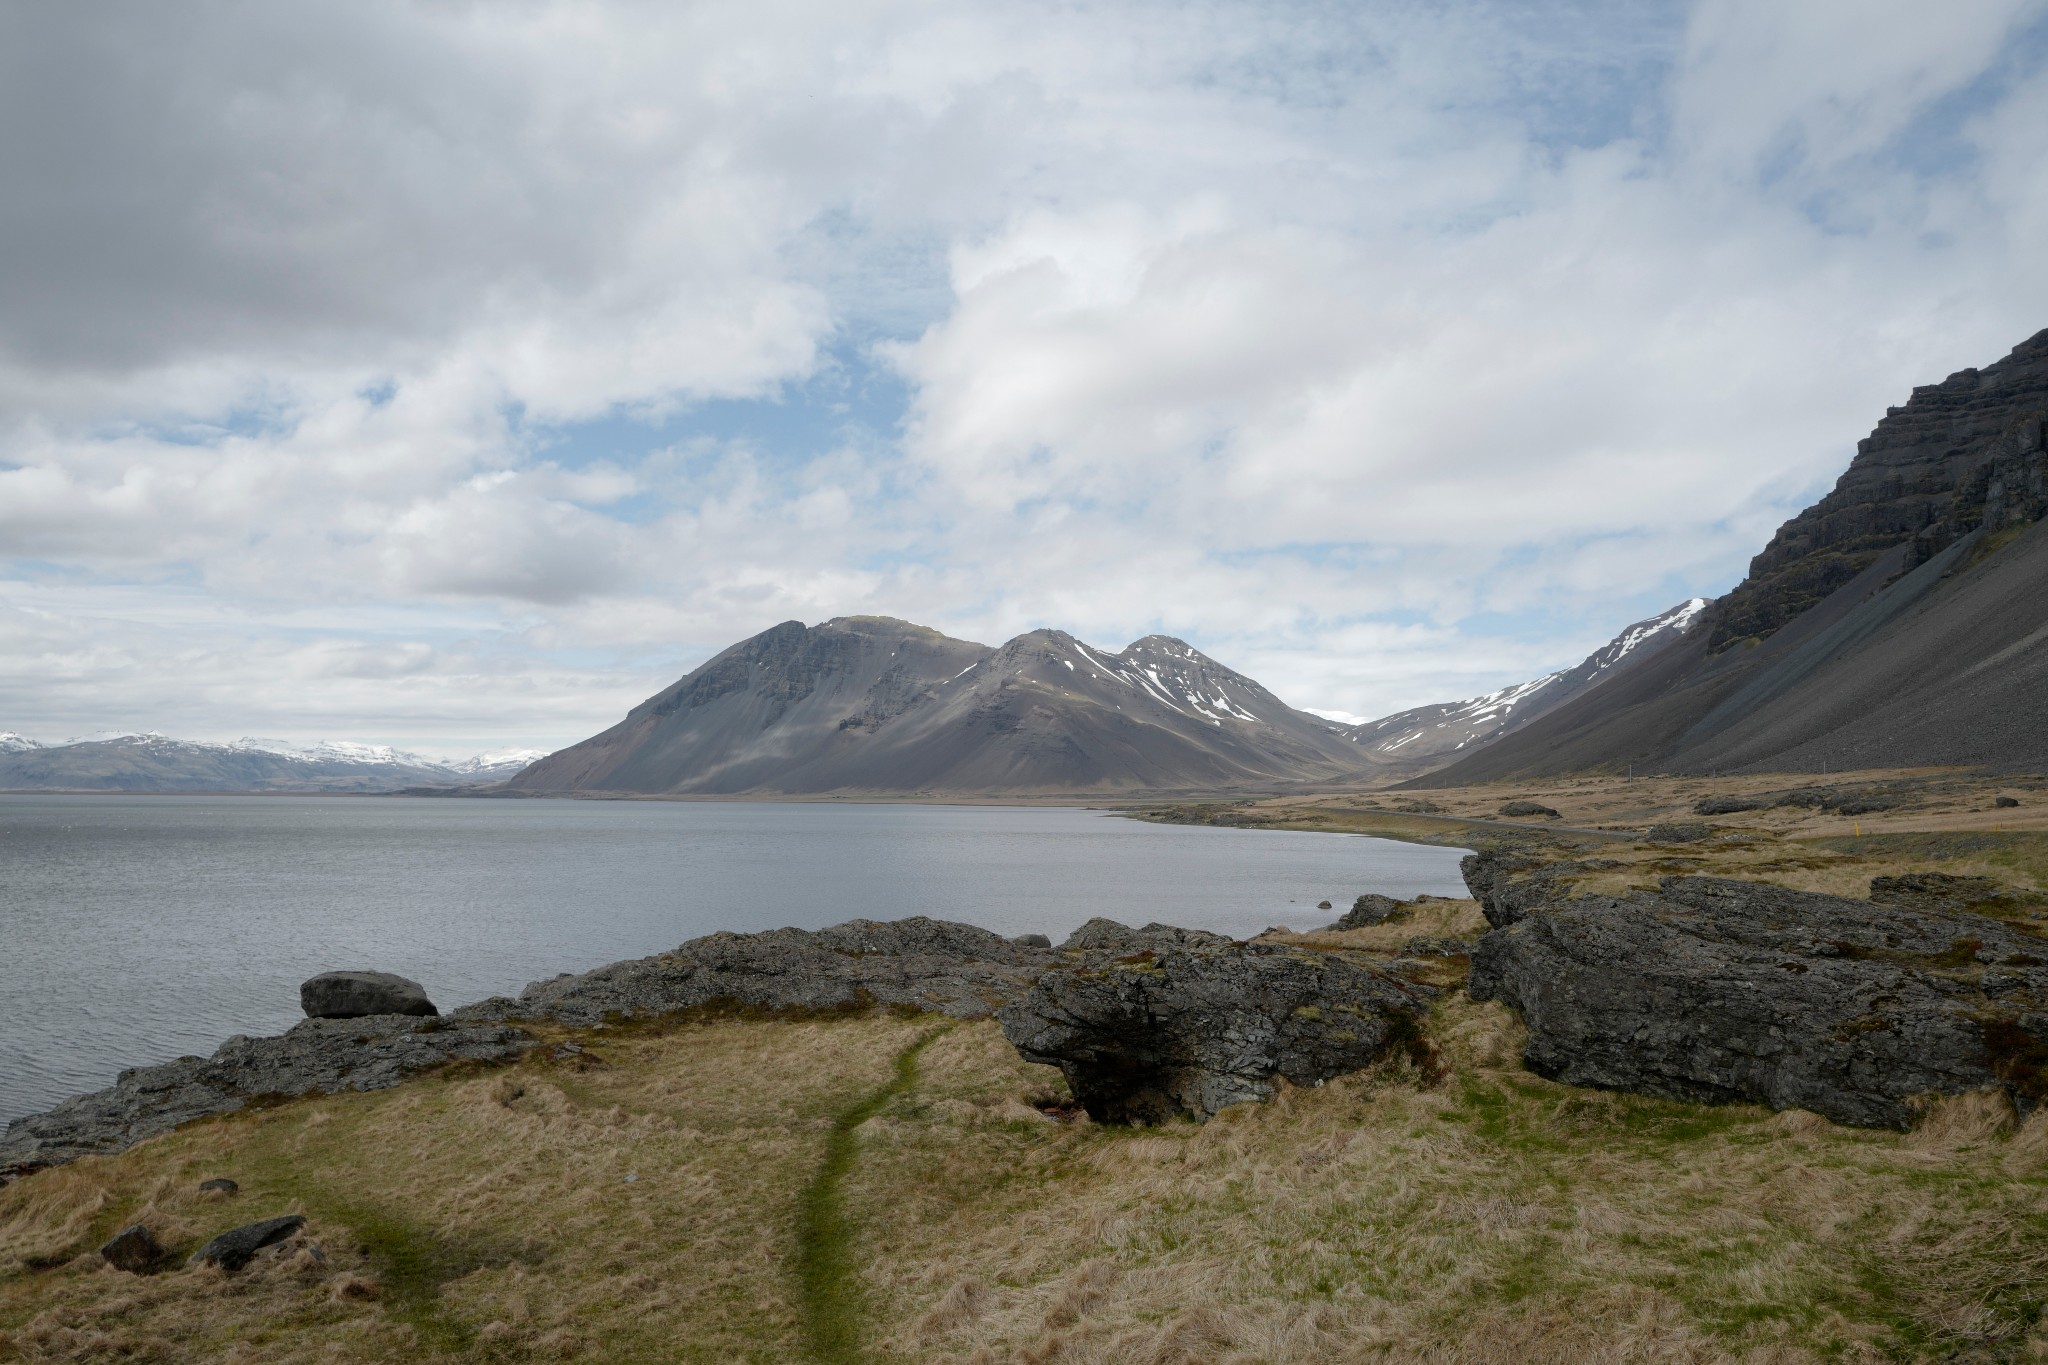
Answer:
(1509, 882)
(1516, 810)
(1106, 935)
(1713, 990)
(921, 963)
(1933, 891)
(1193, 1028)
(1962, 454)
(357, 995)
(318, 1056)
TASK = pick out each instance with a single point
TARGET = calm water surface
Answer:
(138, 929)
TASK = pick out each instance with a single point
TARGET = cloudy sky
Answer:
(455, 375)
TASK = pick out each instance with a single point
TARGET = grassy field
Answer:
(888, 1188)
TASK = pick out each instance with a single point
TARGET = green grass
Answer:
(830, 1300)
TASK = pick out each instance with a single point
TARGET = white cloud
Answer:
(1338, 339)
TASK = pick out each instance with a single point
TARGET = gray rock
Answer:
(1371, 909)
(358, 995)
(1713, 990)
(1727, 805)
(2005, 802)
(921, 963)
(234, 1249)
(1425, 945)
(220, 1185)
(1933, 891)
(1508, 882)
(1678, 833)
(1106, 935)
(1192, 1029)
(317, 1056)
(133, 1249)
(1517, 809)
(1031, 941)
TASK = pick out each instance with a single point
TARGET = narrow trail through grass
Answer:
(827, 1281)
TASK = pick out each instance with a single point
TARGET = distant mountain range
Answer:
(1431, 735)
(871, 704)
(867, 703)
(1901, 621)
(155, 763)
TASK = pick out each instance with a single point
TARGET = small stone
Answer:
(1322, 905)
(133, 1249)
(235, 1248)
(220, 1185)
(2006, 802)
(357, 995)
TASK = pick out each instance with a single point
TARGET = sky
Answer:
(456, 375)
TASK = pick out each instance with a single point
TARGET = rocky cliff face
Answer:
(870, 704)
(1899, 622)
(1962, 454)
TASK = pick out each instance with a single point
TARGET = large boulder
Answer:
(1191, 1028)
(1711, 989)
(359, 995)
(1371, 909)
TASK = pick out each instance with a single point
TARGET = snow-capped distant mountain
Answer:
(1446, 728)
(125, 760)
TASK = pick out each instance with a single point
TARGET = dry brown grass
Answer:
(1491, 1217)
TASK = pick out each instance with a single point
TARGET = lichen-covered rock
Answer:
(1106, 935)
(1431, 945)
(359, 995)
(317, 1056)
(929, 964)
(1680, 832)
(1712, 990)
(1509, 882)
(1727, 805)
(237, 1247)
(1192, 1029)
(1933, 891)
(1371, 909)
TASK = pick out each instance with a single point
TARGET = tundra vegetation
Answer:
(893, 1186)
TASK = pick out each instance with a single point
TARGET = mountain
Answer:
(1898, 622)
(870, 704)
(155, 763)
(1441, 731)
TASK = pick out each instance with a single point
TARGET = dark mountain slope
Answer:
(868, 704)
(1923, 650)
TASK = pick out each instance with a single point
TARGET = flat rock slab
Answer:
(318, 1056)
(1715, 990)
(1191, 1029)
(929, 964)
(236, 1248)
(359, 995)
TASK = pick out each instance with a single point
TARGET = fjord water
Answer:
(138, 929)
